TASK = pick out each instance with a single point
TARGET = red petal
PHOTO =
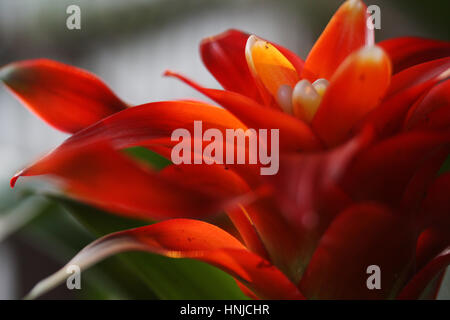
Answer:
(97, 174)
(182, 238)
(211, 178)
(359, 237)
(346, 32)
(432, 112)
(294, 134)
(382, 172)
(247, 230)
(152, 125)
(65, 97)
(155, 121)
(407, 87)
(279, 238)
(416, 287)
(408, 51)
(308, 192)
(215, 179)
(437, 202)
(431, 242)
(418, 185)
(224, 56)
(355, 89)
(417, 74)
(249, 172)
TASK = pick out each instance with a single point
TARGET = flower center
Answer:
(304, 99)
(277, 78)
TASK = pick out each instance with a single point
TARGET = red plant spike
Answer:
(364, 130)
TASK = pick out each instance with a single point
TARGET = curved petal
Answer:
(279, 237)
(346, 32)
(409, 51)
(418, 74)
(416, 287)
(249, 172)
(407, 88)
(217, 180)
(431, 242)
(243, 223)
(437, 202)
(383, 171)
(99, 175)
(361, 236)
(432, 112)
(151, 125)
(308, 192)
(355, 89)
(65, 97)
(295, 135)
(182, 238)
(153, 121)
(425, 175)
(224, 56)
(269, 66)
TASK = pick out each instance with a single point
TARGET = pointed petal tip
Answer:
(9, 70)
(6, 71)
(14, 179)
(168, 73)
(354, 5)
(65, 97)
(269, 65)
(218, 36)
(252, 39)
(345, 33)
(353, 9)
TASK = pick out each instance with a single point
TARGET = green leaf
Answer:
(146, 156)
(168, 278)
(56, 233)
(445, 166)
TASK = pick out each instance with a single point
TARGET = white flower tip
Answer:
(248, 51)
(284, 98)
(372, 53)
(305, 100)
(354, 5)
(321, 86)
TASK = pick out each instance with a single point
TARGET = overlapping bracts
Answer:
(359, 184)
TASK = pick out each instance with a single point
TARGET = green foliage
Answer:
(148, 157)
(445, 166)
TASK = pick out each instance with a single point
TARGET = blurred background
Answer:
(129, 44)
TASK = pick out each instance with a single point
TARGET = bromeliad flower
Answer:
(364, 131)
